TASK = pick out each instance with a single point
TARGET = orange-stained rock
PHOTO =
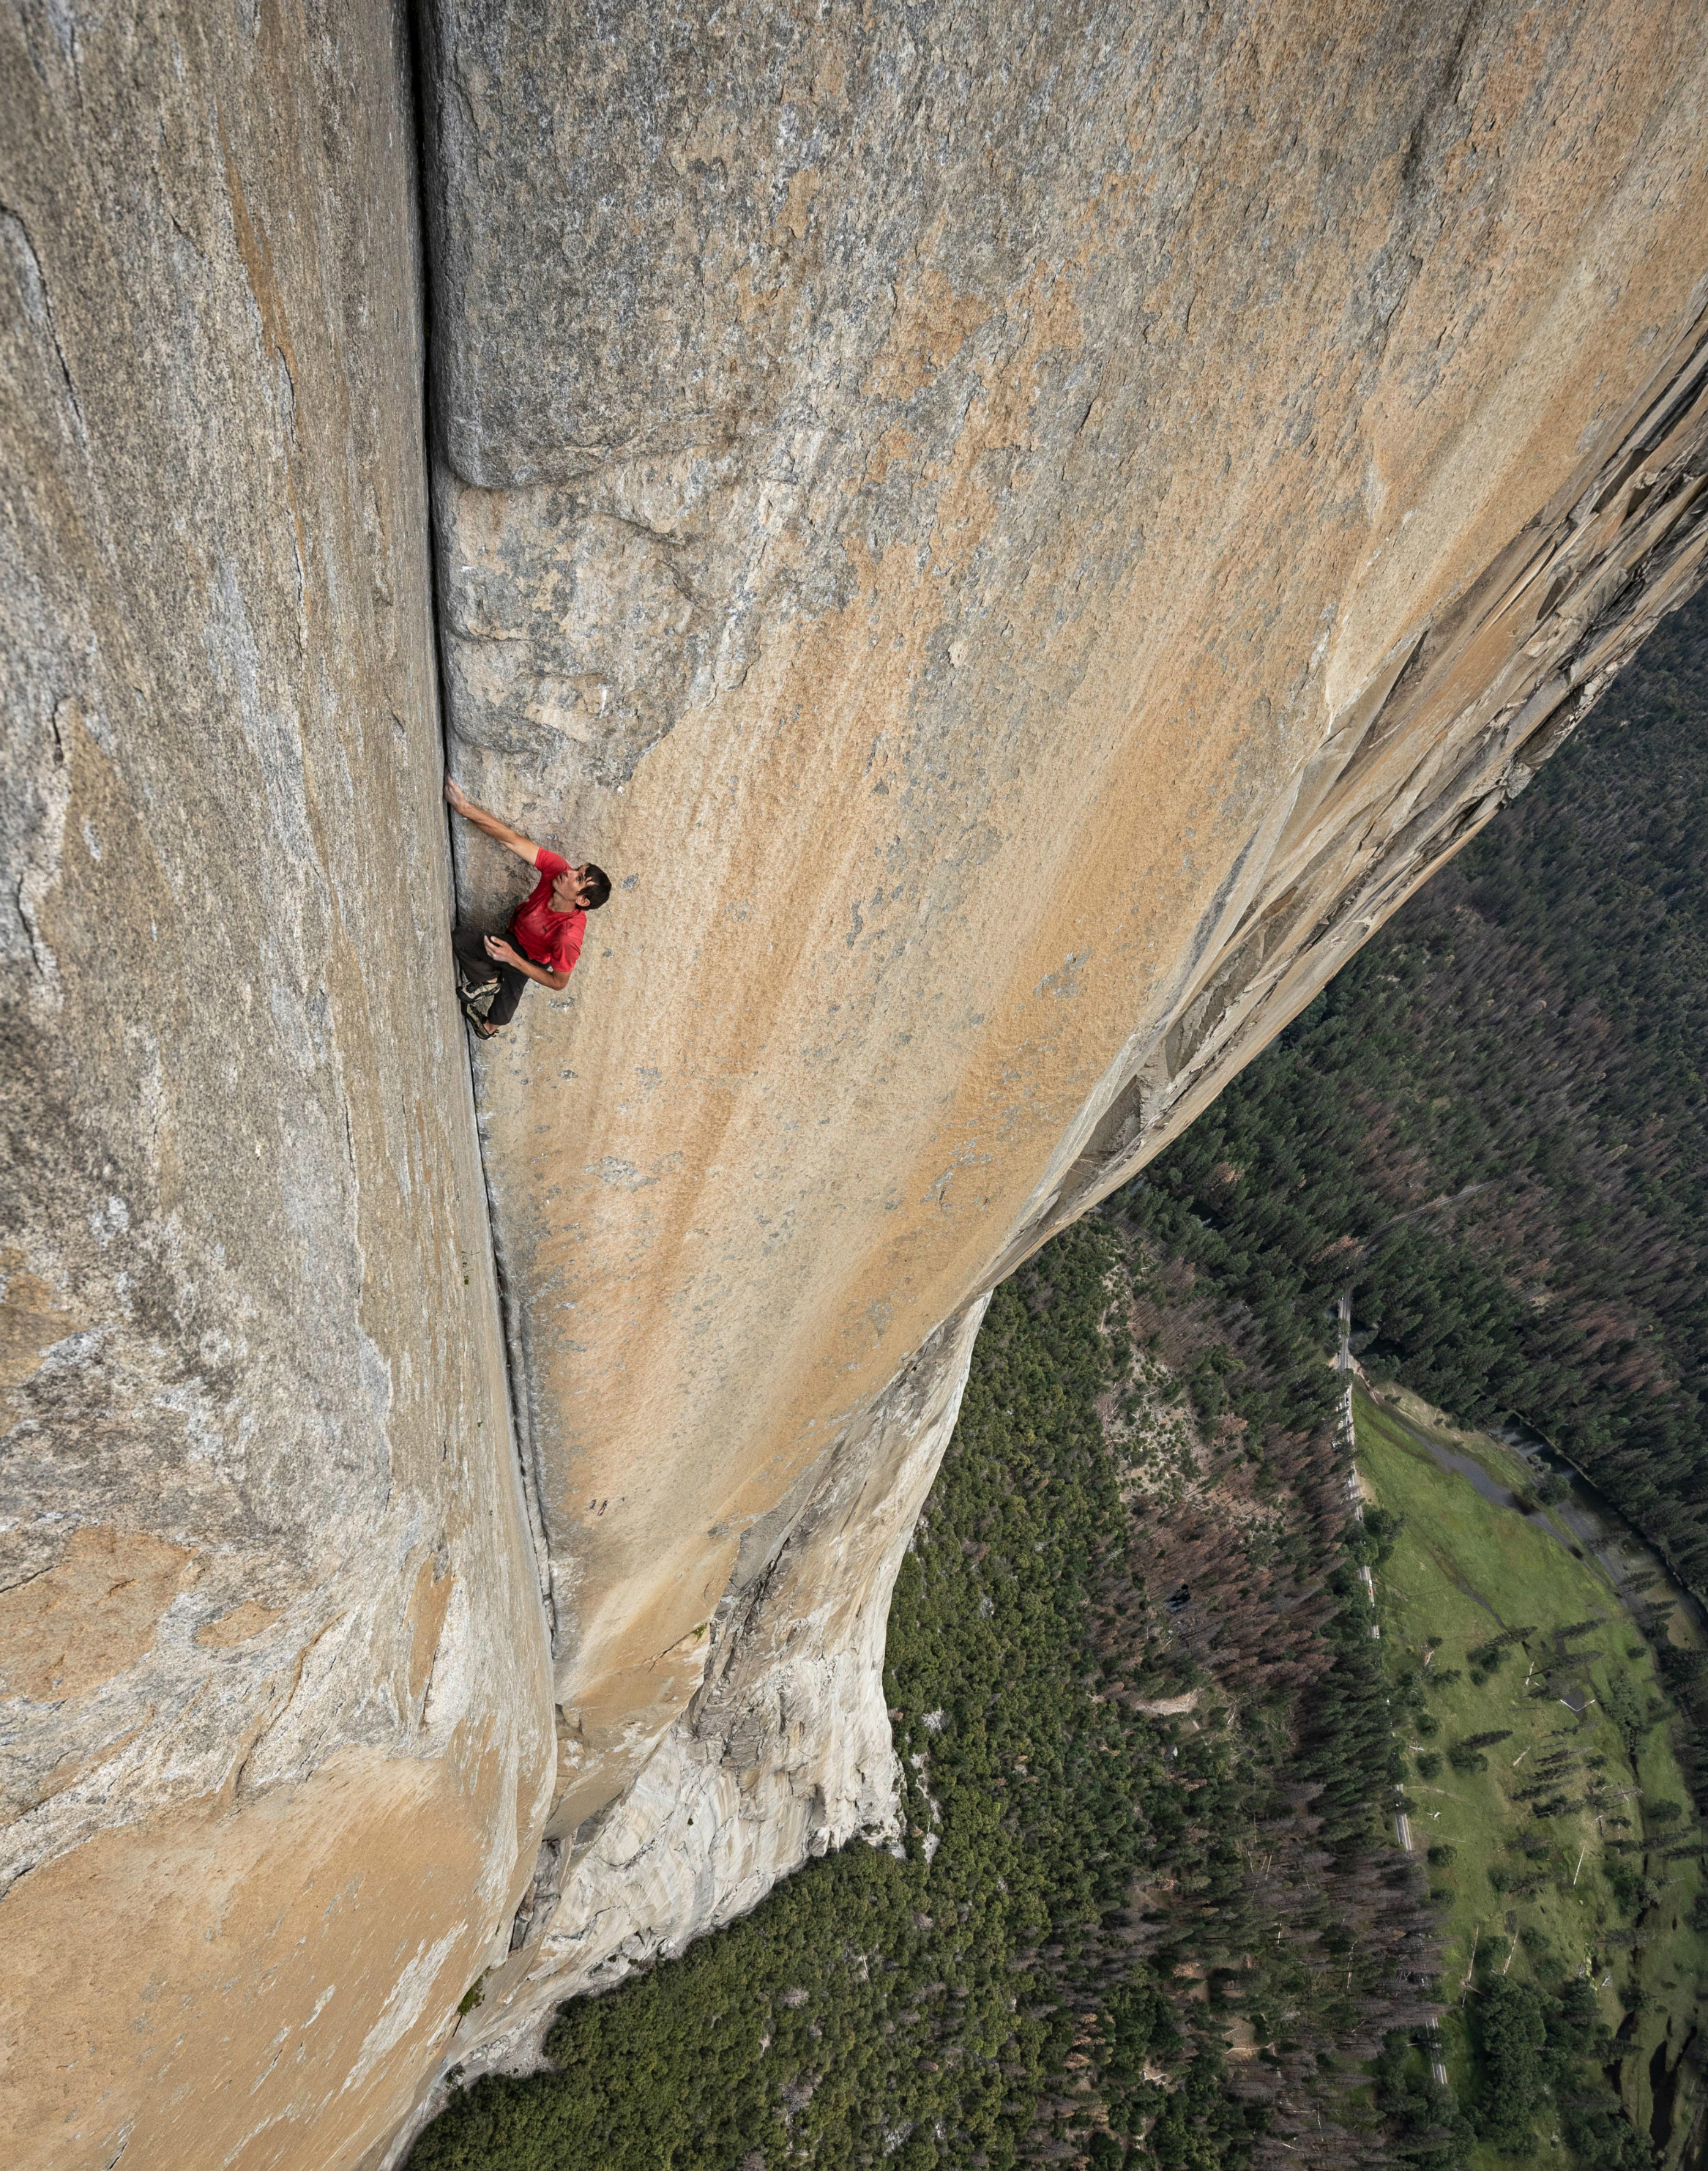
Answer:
(1018, 538)
(256, 1988)
(91, 1616)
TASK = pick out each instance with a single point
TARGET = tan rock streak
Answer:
(273, 1672)
(194, 1967)
(90, 1616)
(1021, 540)
(1018, 541)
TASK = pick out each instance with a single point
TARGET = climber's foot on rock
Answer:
(474, 1019)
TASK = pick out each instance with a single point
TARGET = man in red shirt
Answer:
(545, 932)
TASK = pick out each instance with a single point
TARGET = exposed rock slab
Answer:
(272, 1669)
(1017, 541)
(784, 1754)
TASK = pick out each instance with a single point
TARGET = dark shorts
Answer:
(470, 944)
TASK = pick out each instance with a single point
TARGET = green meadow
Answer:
(1560, 1839)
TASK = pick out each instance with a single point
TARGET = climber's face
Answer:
(568, 894)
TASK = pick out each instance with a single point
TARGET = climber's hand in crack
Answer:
(545, 934)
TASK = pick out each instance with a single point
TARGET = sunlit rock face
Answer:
(272, 1674)
(1018, 539)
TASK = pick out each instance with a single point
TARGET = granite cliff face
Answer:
(1018, 542)
(274, 1678)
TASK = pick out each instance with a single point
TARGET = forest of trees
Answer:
(1086, 1892)
(1114, 1934)
(1492, 1126)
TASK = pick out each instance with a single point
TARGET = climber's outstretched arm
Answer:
(500, 831)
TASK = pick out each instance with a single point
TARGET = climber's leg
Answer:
(476, 970)
(511, 984)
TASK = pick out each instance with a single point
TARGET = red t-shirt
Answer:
(546, 937)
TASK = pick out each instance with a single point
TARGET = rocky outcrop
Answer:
(271, 1664)
(785, 1751)
(1018, 541)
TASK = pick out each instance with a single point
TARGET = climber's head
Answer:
(582, 889)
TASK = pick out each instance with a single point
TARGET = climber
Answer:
(544, 937)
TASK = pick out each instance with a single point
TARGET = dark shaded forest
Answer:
(1144, 1908)
(1493, 1126)
(1045, 1966)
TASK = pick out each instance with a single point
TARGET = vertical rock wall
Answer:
(271, 1666)
(1017, 538)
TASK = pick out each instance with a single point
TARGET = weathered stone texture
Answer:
(785, 1753)
(1018, 536)
(272, 1669)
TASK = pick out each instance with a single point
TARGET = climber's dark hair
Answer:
(596, 887)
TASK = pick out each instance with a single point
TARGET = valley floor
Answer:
(1562, 1842)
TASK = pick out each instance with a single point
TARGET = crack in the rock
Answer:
(39, 278)
(521, 1433)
